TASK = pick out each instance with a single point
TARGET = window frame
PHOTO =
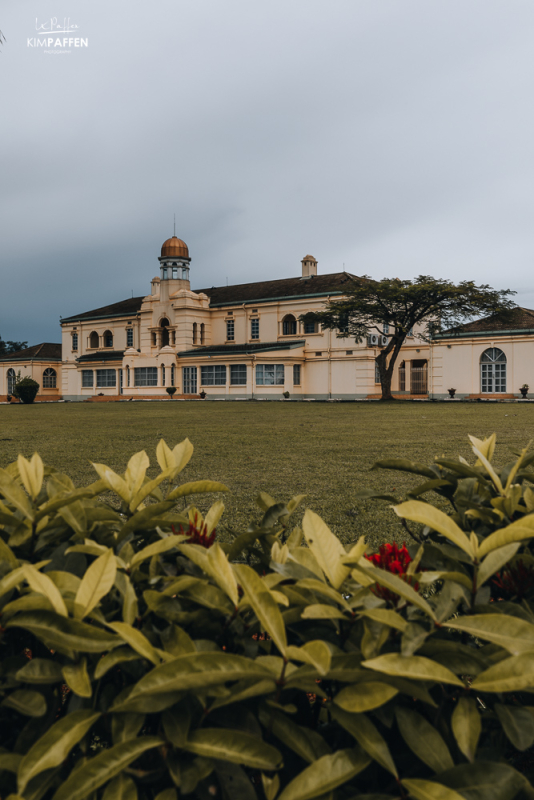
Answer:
(142, 374)
(297, 375)
(255, 328)
(218, 373)
(278, 371)
(49, 379)
(230, 330)
(85, 374)
(109, 373)
(237, 370)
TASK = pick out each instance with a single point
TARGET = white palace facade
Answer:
(247, 342)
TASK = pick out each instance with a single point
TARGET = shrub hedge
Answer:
(142, 659)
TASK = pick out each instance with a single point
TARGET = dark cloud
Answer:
(392, 137)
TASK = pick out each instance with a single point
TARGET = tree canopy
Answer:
(11, 347)
(426, 303)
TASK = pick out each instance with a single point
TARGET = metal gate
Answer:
(189, 380)
(419, 380)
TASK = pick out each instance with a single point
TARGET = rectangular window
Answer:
(377, 373)
(296, 374)
(254, 329)
(145, 376)
(310, 327)
(269, 374)
(74, 341)
(129, 337)
(385, 328)
(238, 375)
(214, 375)
(105, 377)
(230, 330)
(87, 378)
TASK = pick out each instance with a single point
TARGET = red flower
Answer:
(394, 559)
(516, 580)
(198, 534)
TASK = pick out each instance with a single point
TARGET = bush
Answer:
(26, 390)
(143, 659)
(171, 390)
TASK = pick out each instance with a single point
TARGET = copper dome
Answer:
(174, 248)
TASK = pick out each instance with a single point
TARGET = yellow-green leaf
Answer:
(322, 611)
(511, 675)
(213, 516)
(121, 788)
(77, 678)
(54, 745)
(42, 584)
(360, 697)
(136, 640)
(423, 739)
(414, 667)
(430, 790)
(513, 634)
(466, 726)
(326, 774)
(263, 604)
(234, 746)
(96, 583)
(168, 543)
(367, 736)
(31, 473)
(385, 616)
(416, 511)
(396, 584)
(518, 531)
(315, 653)
(221, 571)
(326, 548)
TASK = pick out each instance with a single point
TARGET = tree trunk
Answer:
(386, 375)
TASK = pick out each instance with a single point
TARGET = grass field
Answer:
(323, 450)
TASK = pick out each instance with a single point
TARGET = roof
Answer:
(124, 308)
(101, 355)
(46, 351)
(316, 285)
(174, 248)
(241, 349)
(517, 320)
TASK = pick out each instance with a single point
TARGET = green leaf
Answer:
(271, 786)
(466, 726)
(326, 548)
(385, 616)
(360, 697)
(518, 725)
(325, 774)
(242, 690)
(103, 767)
(263, 604)
(162, 546)
(60, 633)
(31, 474)
(197, 487)
(495, 560)
(40, 670)
(321, 611)
(10, 762)
(414, 667)
(96, 583)
(423, 739)
(317, 653)
(510, 675)
(516, 532)
(15, 495)
(176, 723)
(395, 584)
(121, 788)
(54, 746)
(511, 633)
(196, 671)
(125, 727)
(426, 514)
(367, 736)
(308, 744)
(233, 746)
(404, 465)
(116, 656)
(429, 790)
(167, 794)
(43, 585)
(77, 678)
(27, 702)
(136, 640)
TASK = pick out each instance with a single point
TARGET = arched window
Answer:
(163, 374)
(201, 333)
(194, 332)
(108, 339)
(493, 371)
(93, 340)
(11, 380)
(164, 332)
(289, 325)
(49, 378)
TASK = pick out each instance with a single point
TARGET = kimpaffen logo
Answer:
(48, 39)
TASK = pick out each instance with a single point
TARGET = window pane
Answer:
(145, 376)
(230, 330)
(49, 379)
(129, 337)
(213, 375)
(269, 374)
(309, 327)
(105, 377)
(74, 341)
(238, 374)
(296, 374)
(87, 378)
(255, 329)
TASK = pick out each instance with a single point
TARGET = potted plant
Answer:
(286, 395)
(451, 392)
(171, 390)
(524, 390)
(203, 394)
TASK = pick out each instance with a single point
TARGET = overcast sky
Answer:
(390, 137)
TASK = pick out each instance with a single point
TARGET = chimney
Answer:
(309, 267)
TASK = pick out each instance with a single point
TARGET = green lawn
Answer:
(323, 450)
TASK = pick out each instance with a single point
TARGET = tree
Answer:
(11, 347)
(427, 303)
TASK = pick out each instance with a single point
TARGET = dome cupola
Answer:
(174, 260)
